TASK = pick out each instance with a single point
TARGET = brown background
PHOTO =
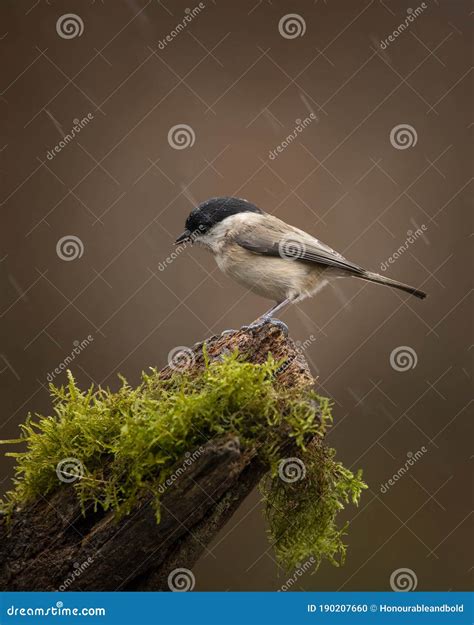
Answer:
(125, 193)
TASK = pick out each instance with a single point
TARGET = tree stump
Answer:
(52, 545)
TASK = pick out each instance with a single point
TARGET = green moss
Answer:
(302, 514)
(128, 442)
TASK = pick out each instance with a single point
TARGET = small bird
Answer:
(268, 256)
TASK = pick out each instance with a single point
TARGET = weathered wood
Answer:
(52, 545)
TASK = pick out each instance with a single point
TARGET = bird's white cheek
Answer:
(203, 241)
(211, 242)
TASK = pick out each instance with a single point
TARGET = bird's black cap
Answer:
(211, 212)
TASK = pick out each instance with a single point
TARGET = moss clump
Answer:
(127, 442)
(302, 514)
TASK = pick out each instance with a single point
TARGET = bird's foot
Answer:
(280, 324)
(263, 320)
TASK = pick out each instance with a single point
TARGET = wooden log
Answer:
(50, 544)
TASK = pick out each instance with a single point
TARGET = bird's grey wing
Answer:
(293, 244)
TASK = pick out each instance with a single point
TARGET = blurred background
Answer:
(169, 117)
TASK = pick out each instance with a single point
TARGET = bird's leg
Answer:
(266, 317)
(278, 306)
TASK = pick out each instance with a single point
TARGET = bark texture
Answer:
(52, 545)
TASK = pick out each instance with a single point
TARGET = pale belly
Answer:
(274, 278)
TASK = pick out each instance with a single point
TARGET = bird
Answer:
(270, 257)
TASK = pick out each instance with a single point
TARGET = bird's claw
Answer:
(261, 321)
(280, 324)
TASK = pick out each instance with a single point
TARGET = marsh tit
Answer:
(268, 256)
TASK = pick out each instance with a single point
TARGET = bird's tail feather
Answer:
(375, 277)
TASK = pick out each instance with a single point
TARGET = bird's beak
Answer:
(185, 236)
